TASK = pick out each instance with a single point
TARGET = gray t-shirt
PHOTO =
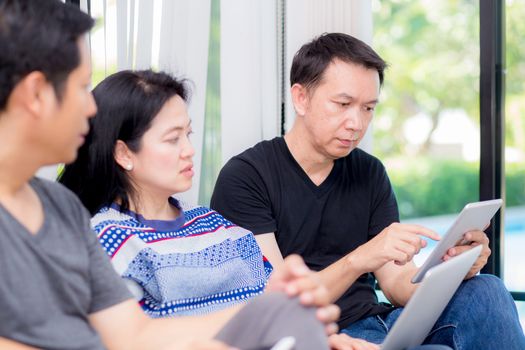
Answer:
(50, 282)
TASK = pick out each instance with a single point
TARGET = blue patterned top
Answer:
(195, 264)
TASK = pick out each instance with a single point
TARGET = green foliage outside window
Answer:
(433, 51)
(426, 187)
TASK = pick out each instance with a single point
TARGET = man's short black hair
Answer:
(39, 35)
(312, 59)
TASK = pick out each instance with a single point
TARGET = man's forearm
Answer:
(6, 344)
(338, 277)
(125, 326)
(399, 289)
(160, 333)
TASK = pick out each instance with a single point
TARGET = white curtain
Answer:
(250, 96)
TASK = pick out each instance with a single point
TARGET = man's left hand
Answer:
(472, 239)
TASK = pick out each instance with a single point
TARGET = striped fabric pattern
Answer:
(205, 265)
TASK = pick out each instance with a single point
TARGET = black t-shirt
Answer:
(265, 190)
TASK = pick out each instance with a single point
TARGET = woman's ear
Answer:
(123, 155)
(300, 98)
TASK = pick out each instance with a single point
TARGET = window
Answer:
(514, 234)
(426, 128)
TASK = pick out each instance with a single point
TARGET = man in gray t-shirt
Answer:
(57, 287)
(56, 276)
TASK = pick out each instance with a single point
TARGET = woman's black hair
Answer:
(127, 102)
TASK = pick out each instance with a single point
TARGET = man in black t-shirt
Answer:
(314, 193)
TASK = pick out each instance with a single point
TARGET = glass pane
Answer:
(514, 235)
(211, 149)
(426, 128)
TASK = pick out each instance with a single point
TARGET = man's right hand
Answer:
(398, 243)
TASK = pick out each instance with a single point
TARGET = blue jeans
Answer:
(480, 315)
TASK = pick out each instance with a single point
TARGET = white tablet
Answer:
(428, 302)
(474, 216)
